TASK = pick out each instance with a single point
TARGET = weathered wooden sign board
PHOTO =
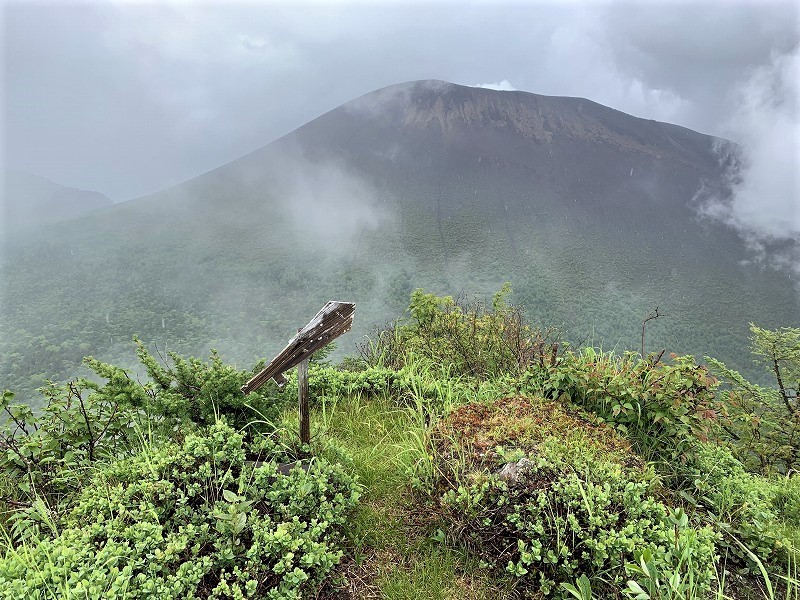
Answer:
(335, 319)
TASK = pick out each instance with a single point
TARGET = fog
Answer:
(328, 204)
(130, 100)
(766, 175)
(126, 99)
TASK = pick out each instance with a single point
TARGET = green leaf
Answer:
(640, 594)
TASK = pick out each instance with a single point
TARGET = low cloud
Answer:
(327, 203)
(253, 43)
(764, 172)
(198, 86)
(384, 102)
(503, 86)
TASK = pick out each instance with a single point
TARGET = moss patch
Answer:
(476, 430)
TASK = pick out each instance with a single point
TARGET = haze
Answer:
(126, 99)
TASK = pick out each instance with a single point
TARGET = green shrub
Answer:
(473, 339)
(197, 391)
(787, 499)
(571, 516)
(744, 508)
(668, 573)
(330, 381)
(194, 520)
(52, 453)
(662, 408)
(671, 415)
(85, 424)
(419, 380)
(764, 422)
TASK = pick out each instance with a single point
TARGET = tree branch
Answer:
(653, 314)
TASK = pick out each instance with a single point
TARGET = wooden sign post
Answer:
(335, 319)
(302, 402)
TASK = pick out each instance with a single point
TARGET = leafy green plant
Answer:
(764, 422)
(51, 454)
(746, 509)
(477, 340)
(85, 424)
(188, 389)
(670, 572)
(194, 519)
(663, 408)
(582, 589)
(572, 516)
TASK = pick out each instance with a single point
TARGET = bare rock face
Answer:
(514, 472)
(459, 112)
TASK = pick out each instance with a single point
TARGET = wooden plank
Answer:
(302, 400)
(333, 320)
(298, 348)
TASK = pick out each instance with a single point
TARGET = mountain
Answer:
(592, 214)
(29, 200)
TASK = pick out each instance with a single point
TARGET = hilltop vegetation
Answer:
(464, 454)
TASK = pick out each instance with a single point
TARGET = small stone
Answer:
(514, 471)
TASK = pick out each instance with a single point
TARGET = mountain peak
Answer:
(460, 111)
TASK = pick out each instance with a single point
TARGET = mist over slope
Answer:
(28, 200)
(593, 215)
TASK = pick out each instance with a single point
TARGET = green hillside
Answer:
(588, 212)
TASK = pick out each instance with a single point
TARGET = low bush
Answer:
(192, 520)
(763, 423)
(561, 519)
(198, 392)
(662, 408)
(326, 381)
(85, 423)
(747, 510)
(419, 380)
(52, 453)
(672, 416)
(547, 492)
(474, 339)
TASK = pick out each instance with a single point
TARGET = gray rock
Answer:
(514, 471)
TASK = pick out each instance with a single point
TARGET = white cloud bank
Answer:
(765, 177)
(503, 86)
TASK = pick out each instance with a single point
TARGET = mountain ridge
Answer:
(594, 219)
(373, 102)
(29, 200)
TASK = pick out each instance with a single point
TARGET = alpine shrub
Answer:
(192, 520)
(563, 518)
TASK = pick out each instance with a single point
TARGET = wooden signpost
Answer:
(333, 320)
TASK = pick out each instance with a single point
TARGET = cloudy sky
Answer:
(128, 98)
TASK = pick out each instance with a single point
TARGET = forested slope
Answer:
(591, 214)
